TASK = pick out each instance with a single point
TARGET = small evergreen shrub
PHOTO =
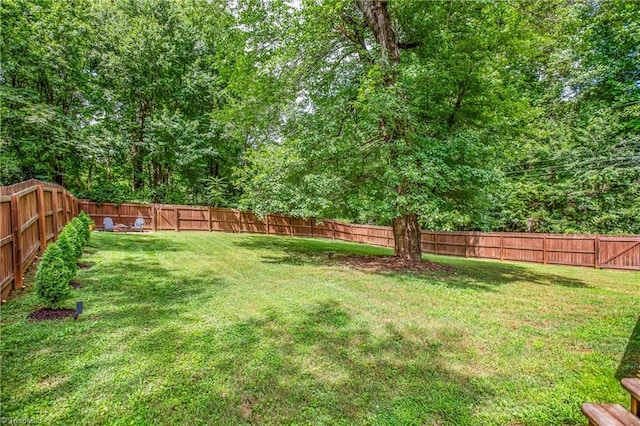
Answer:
(74, 239)
(52, 277)
(68, 251)
(86, 219)
(82, 229)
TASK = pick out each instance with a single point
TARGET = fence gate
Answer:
(619, 253)
(167, 218)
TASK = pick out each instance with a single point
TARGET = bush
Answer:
(52, 277)
(74, 238)
(86, 219)
(83, 231)
(68, 251)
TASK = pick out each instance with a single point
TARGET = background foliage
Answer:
(526, 112)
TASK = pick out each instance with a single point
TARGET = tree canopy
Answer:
(443, 115)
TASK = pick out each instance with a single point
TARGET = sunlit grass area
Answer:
(199, 328)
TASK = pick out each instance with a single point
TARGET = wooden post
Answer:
(501, 253)
(177, 225)
(466, 244)
(266, 219)
(65, 218)
(333, 227)
(544, 249)
(209, 218)
(17, 252)
(290, 226)
(435, 239)
(42, 222)
(596, 252)
(313, 219)
(239, 218)
(54, 207)
(154, 217)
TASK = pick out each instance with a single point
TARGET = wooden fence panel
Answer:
(194, 218)
(29, 219)
(571, 250)
(225, 220)
(323, 229)
(249, 222)
(342, 231)
(619, 252)
(279, 225)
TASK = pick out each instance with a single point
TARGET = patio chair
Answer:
(138, 225)
(107, 224)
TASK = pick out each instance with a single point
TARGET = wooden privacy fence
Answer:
(32, 213)
(598, 251)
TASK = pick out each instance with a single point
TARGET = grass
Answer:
(198, 328)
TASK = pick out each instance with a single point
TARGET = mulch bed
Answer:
(76, 284)
(45, 314)
(391, 264)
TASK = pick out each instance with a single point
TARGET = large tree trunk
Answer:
(406, 229)
(406, 232)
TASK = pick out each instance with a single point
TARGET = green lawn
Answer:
(199, 328)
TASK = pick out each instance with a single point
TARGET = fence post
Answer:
(17, 252)
(544, 250)
(501, 253)
(64, 208)
(333, 228)
(177, 226)
(154, 217)
(266, 220)
(42, 223)
(209, 220)
(239, 218)
(435, 240)
(313, 219)
(54, 207)
(290, 226)
(596, 252)
(466, 244)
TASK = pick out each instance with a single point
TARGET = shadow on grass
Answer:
(143, 292)
(630, 362)
(323, 366)
(469, 273)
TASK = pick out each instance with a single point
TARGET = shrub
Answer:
(68, 251)
(74, 239)
(82, 229)
(86, 219)
(52, 277)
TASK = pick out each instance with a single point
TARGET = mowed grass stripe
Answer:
(199, 328)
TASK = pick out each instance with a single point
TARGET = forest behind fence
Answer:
(32, 213)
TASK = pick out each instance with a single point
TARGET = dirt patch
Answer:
(246, 408)
(76, 284)
(45, 314)
(391, 264)
(83, 266)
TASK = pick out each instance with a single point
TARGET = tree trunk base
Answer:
(406, 232)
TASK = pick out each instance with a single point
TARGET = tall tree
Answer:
(394, 109)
